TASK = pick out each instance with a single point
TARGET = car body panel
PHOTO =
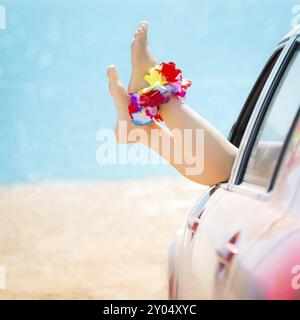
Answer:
(271, 260)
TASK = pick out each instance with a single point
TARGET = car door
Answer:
(227, 226)
(271, 267)
(271, 142)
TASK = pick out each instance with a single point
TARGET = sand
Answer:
(103, 240)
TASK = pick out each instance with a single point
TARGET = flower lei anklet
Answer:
(164, 81)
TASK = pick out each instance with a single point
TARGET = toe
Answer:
(146, 30)
(141, 32)
(143, 23)
(135, 37)
(135, 40)
(144, 34)
(138, 35)
(112, 73)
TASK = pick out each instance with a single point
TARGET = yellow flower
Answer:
(155, 78)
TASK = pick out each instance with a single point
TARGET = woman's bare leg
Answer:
(155, 136)
(217, 153)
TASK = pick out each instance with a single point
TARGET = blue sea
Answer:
(53, 59)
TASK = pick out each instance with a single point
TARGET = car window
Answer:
(239, 127)
(275, 127)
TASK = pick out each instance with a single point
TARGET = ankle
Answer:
(174, 102)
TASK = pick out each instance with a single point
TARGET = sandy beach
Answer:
(100, 240)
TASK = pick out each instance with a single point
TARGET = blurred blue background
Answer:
(53, 58)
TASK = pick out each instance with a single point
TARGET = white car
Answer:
(241, 240)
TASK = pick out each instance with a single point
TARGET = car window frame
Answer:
(258, 115)
(284, 149)
(238, 129)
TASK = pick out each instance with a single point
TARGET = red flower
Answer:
(132, 108)
(170, 72)
(152, 99)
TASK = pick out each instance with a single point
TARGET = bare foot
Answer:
(142, 58)
(118, 93)
(123, 126)
(121, 101)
